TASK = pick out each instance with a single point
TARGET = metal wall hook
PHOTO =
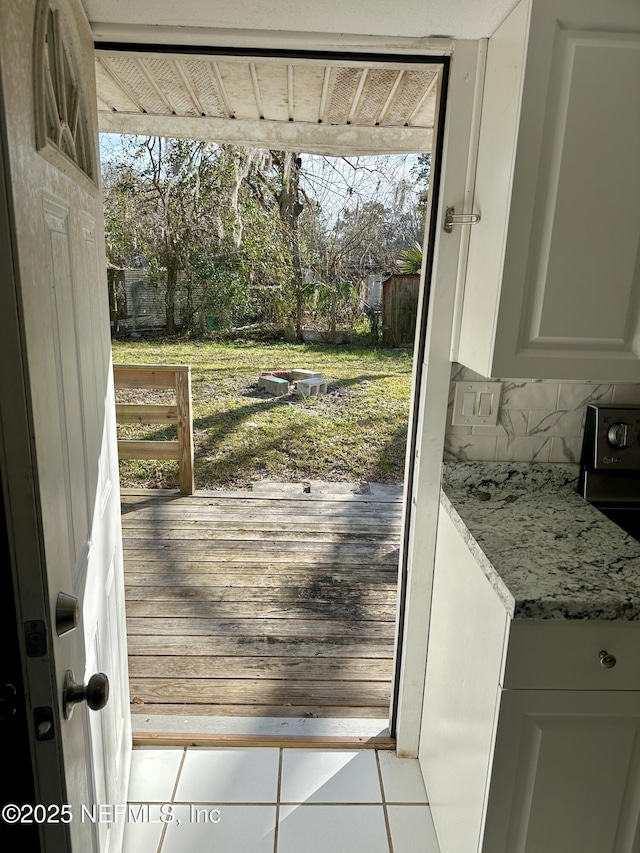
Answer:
(452, 218)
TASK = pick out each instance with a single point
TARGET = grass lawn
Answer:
(356, 433)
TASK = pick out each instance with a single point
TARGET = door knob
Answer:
(95, 693)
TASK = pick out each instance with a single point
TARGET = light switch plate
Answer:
(476, 403)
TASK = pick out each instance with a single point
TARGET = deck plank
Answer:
(280, 596)
(257, 691)
(267, 558)
(258, 610)
(256, 532)
(241, 646)
(299, 545)
(267, 606)
(318, 628)
(179, 575)
(256, 569)
(344, 523)
(281, 668)
(268, 710)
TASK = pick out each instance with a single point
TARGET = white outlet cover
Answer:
(484, 411)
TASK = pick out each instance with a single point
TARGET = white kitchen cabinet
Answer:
(566, 773)
(552, 287)
(528, 744)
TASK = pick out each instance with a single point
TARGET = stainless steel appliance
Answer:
(610, 464)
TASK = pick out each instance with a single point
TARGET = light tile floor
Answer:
(276, 801)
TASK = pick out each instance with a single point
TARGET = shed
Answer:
(400, 309)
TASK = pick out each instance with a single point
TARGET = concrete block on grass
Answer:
(281, 374)
(274, 385)
(304, 374)
(311, 387)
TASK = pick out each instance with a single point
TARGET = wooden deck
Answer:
(240, 605)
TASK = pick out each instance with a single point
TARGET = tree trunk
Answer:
(170, 296)
(334, 311)
(290, 208)
(298, 286)
(188, 312)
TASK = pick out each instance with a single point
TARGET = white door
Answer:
(59, 456)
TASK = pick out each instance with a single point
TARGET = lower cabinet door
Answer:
(566, 773)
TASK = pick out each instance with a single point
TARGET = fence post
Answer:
(185, 431)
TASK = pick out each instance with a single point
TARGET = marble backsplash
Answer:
(540, 420)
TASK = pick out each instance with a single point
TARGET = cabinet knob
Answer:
(606, 660)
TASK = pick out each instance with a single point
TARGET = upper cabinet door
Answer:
(553, 279)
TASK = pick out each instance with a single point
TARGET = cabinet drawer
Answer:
(565, 655)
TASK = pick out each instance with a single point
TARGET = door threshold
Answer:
(290, 732)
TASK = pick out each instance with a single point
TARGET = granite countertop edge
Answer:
(546, 552)
(481, 558)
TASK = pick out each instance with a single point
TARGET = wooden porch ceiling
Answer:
(273, 607)
(303, 104)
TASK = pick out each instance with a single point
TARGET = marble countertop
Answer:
(546, 551)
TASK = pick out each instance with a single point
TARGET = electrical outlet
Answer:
(476, 403)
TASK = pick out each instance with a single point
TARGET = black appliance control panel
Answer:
(612, 438)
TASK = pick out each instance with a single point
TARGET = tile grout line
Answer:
(384, 803)
(349, 803)
(416, 803)
(172, 799)
(276, 834)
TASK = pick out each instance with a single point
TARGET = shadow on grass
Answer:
(226, 451)
(364, 377)
(161, 433)
(391, 457)
(253, 453)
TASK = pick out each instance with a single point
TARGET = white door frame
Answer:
(432, 373)
(432, 376)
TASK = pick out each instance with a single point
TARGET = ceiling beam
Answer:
(256, 89)
(325, 92)
(358, 95)
(311, 138)
(144, 71)
(392, 94)
(121, 85)
(290, 93)
(423, 99)
(189, 89)
(214, 69)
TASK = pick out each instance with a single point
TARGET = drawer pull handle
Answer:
(607, 661)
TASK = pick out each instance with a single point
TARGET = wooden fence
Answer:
(400, 309)
(173, 376)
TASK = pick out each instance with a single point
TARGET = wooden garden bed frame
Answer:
(177, 377)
